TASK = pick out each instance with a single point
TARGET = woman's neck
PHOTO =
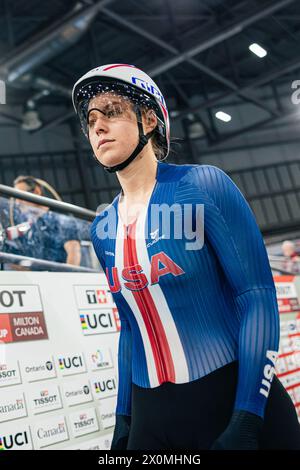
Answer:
(139, 178)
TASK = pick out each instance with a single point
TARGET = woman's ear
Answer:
(151, 120)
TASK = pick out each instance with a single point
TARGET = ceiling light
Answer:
(258, 50)
(223, 116)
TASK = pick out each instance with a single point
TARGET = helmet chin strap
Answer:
(143, 140)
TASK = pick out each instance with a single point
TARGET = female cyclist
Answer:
(199, 319)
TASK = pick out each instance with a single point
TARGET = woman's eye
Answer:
(116, 111)
(91, 122)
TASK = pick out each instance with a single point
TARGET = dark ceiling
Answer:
(189, 47)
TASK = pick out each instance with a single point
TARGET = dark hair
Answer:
(158, 146)
(30, 181)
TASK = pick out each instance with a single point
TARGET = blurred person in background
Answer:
(51, 236)
(292, 258)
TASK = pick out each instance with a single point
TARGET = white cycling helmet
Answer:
(132, 83)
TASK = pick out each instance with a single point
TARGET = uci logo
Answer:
(13, 440)
(69, 362)
(95, 320)
(108, 385)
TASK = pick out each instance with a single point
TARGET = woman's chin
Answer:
(110, 161)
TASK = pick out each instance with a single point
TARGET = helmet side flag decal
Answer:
(119, 65)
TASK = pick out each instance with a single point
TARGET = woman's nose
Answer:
(100, 126)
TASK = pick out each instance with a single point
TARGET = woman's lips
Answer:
(103, 141)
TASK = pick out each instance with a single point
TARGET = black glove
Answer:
(121, 432)
(242, 433)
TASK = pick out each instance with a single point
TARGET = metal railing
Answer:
(82, 213)
(26, 262)
(59, 206)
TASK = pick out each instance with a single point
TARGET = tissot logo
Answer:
(84, 422)
(9, 374)
(69, 365)
(90, 297)
(98, 296)
(21, 299)
(10, 298)
(45, 399)
(16, 440)
(100, 322)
